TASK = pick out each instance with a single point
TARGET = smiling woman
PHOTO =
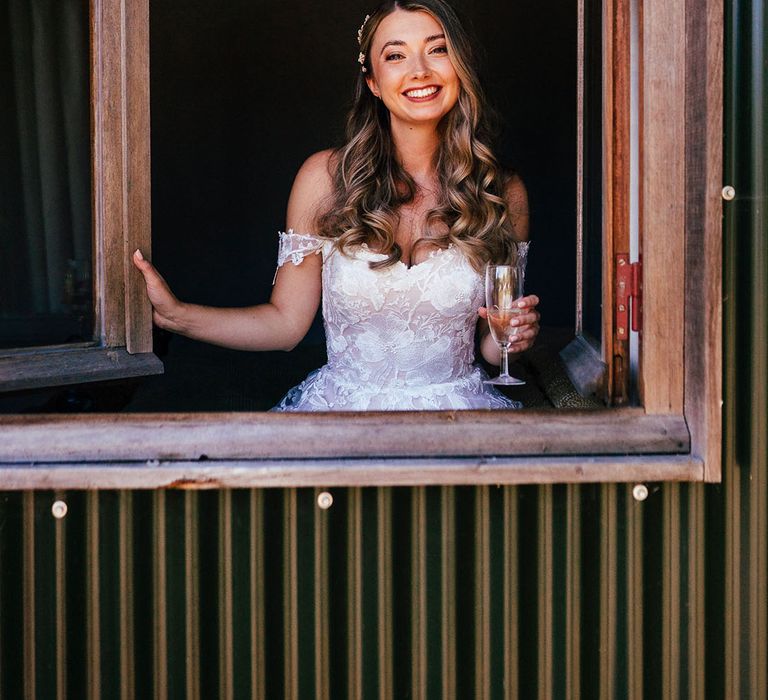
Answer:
(415, 66)
(212, 234)
(416, 173)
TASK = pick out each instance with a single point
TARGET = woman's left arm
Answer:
(527, 322)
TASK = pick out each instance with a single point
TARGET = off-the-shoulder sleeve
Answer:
(295, 247)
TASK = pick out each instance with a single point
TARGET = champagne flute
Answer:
(503, 290)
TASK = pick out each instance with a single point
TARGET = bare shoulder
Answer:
(316, 168)
(311, 190)
(515, 192)
(516, 195)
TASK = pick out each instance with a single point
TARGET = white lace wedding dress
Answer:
(398, 338)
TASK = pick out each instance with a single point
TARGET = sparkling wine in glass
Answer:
(503, 291)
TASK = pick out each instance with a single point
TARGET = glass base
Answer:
(504, 381)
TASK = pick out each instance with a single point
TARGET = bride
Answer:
(393, 231)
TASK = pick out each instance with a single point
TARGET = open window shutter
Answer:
(120, 177)
(598, 358)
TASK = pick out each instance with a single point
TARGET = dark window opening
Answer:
(241, 94)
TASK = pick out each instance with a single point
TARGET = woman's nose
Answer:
(419, 68)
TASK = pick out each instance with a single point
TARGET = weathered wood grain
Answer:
(703, 253)
(328, 435)
(607, 213)
(121, 168)
(617, 181)
(662, 204)
(108, 122)
(339, 473)
(62, 366)
(138, 219)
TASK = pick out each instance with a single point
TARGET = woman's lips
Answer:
(424, 94)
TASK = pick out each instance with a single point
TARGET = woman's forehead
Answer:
(408, 26)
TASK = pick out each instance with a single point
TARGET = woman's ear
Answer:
(372, 86)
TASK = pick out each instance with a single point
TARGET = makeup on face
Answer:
(412, 71)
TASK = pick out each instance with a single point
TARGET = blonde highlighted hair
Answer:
(370, 184)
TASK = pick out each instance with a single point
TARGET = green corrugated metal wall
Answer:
(548, 592)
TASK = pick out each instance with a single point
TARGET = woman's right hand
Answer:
(167, 309)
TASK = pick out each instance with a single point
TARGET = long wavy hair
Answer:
(370, 185)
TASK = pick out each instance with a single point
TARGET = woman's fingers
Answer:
(527, 326)
(151, 275)
(138, 260)
(527, 333)
(520, 343)
(526, 319)
(160, 295)
(528, 302)
(526, 323)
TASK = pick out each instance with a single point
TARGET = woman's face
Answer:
(411, 70)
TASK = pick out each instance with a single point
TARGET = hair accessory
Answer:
(360, 31)
(361, 57)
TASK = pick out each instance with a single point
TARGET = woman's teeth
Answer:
(423, 92)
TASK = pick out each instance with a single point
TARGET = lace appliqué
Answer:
(398, 338)
(295, 247)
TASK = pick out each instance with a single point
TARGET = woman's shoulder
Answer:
(516, 195)
(311, 190)
(317, 169)
(514, 187)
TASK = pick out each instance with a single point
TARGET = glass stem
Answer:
(504, 361)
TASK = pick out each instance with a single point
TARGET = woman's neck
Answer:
(416, 147)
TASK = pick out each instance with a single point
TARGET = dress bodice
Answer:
(397, 337)
(398, 324)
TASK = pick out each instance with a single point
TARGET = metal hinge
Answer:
(629, 296)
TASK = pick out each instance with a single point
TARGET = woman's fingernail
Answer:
(138, 254)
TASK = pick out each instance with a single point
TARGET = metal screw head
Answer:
(59, 509)
(729, 192)
(640, 492)
(324, 500)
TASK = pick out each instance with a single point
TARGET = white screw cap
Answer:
(324, 500)
(640, 492)
(59, 509)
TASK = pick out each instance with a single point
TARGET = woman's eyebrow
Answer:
(393, 42)
(400, 42)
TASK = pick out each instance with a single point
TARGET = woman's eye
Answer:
(394, 57)
(439, 49)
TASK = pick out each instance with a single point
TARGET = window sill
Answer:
(345, 473)
(62, 365)
(449, 447)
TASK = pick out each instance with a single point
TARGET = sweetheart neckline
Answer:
(431, 256)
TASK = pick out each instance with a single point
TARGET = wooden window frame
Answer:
(121, 215)
(675, 435)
